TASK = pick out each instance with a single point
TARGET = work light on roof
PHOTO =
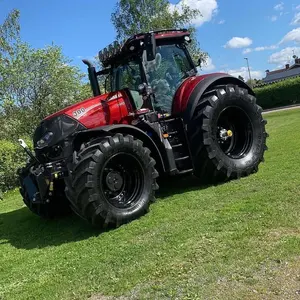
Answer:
(110, 49)
(117, 46)
(105, 52)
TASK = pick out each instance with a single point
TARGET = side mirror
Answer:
(144, 90)
(150, 45)
(199, 62)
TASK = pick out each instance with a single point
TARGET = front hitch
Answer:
(27, 150)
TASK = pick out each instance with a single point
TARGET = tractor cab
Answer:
(150, 65)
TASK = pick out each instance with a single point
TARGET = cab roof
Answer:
(119, 51)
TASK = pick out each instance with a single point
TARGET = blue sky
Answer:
(265, 31)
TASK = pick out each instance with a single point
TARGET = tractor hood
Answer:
(97, 111)
(94, 112)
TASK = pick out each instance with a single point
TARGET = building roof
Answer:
(289, 71)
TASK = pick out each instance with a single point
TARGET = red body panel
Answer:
(184, 92)
(115, 108)
(112, 108)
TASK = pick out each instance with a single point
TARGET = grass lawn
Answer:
(239, 240)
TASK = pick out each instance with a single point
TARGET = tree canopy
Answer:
(9, 34)
(34, 82)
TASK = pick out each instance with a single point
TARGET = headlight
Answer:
(45, 140)
(50, 132)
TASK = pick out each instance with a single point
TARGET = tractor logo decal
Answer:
(78, 112)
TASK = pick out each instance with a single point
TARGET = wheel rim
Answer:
(122, 180)
(234, 132)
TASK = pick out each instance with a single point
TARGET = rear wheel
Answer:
(227, 134)
(113, 180)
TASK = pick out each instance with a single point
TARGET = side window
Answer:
(107, 83)
(129, 76)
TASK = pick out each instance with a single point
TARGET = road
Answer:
(281, 108)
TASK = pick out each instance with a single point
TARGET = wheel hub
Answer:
(225, 134)
(114, 181)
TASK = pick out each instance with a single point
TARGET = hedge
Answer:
(282, 93)
(12, 157)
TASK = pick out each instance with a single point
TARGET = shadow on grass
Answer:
(22, 229)
(170, 186)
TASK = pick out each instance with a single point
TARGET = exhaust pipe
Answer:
(93, 77)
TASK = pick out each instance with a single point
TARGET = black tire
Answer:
(99, 177)
(233, 109)
(57, 207)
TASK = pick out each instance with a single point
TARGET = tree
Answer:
(134, 16)
(9, 34)
(33, 82)
(36, 83)
(254, 82)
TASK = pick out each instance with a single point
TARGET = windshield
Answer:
(166, 73)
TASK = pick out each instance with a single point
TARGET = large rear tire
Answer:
(227, 134)
(113, 181)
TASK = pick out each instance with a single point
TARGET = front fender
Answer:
(109, 130)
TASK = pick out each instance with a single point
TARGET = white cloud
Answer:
(279, 6)
(243, 71)
(273, 18)
(248, 50)
(258, 49)
(296, 19)
(238, 42)
(209, 66)
(292, 36)
(221, 22)
(208, 9)
(284, 56)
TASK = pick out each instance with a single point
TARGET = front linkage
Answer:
(37, 182)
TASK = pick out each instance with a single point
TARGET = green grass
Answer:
(239, 240)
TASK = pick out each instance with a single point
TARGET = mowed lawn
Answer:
(239, 240)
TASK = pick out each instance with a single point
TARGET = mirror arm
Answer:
(150, 45)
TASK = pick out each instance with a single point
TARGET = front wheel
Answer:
(112, 181)
(227, 134)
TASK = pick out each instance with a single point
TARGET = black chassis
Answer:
(40, 174)
(39, 179)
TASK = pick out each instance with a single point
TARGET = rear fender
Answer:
(110, 130)
(205, 85)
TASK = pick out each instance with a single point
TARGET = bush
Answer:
(283, 93)
(12, 157)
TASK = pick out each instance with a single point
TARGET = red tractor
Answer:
(102, 157)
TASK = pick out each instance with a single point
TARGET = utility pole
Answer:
(249, 72)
